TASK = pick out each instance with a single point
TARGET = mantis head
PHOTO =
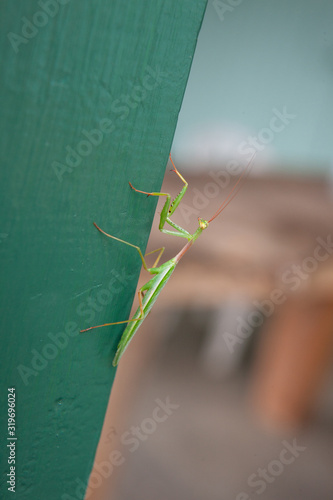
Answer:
(203, 223)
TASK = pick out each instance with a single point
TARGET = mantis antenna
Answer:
(235, 189)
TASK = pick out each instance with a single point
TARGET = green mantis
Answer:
(149, 292)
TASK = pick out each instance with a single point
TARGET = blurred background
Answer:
(227, 388)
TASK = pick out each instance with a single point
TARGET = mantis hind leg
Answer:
(142, 315)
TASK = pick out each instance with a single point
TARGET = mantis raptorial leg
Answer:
(170, 207)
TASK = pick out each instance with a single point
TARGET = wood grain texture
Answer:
(90, 94)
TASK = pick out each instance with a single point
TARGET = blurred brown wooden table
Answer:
(272, 225)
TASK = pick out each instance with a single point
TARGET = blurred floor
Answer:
(209, 447)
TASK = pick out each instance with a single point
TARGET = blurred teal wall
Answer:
(254, 60)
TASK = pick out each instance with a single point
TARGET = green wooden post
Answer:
(90, 93)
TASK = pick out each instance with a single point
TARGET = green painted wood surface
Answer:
(90, 93)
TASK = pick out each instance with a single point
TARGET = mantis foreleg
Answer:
(169, 207)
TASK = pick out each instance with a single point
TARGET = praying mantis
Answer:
(150, 291)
